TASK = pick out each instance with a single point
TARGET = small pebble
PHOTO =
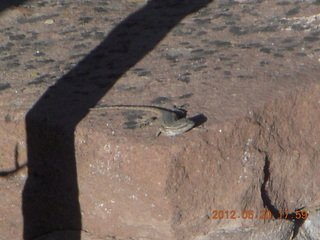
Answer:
(49, 21)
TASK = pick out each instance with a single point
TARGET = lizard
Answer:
(172, 122)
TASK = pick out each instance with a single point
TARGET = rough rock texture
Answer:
(249, 172)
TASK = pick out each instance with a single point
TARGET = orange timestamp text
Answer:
(262, 215)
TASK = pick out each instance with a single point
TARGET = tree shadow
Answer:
(4, 4)
(50, 195)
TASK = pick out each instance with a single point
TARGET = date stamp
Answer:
(262, 215)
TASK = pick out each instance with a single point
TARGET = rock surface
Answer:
(249, 172)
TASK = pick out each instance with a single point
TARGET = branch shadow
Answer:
(4, 4)
(50, 195)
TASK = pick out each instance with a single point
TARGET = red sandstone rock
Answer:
(251, 68)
